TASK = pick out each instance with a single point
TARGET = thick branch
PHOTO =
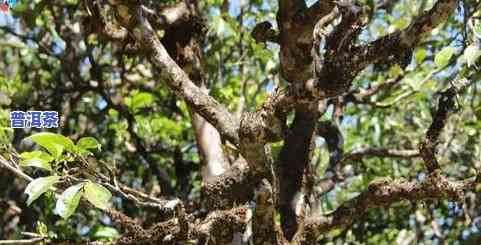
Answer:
(182, 43)
(209, 144)
(235, 186)
(342, 65)
(383, 193)
(295, 40)
(404, 40)
(288, 9)
(252, 142)
(264, 228)
(220, 226)
(318, 10)
(216, 114)
(169, 16)
(292, 168)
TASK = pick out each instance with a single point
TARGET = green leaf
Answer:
(37, 159)
(106, 232)
(472, 54)
(141, 100)
(442, 58)
(221, 27)
(69, 200)
(39, 186)
(420, 55)
(88, 143)
(42, 228)
(98, 195)
(54, 143)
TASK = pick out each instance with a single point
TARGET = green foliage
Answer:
(139, 100)
(39, 186)
(442, 58)
(37, 159)
(86, 143)
(42, 228)
(472, 54)
(52, 69)
(105, 233)
(68, 201)
(54, 143)
(98, 195)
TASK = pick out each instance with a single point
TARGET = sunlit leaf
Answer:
(472, 54)
(37, 159)
(98, 195)
(221, 27)
(39, 186)
(54, 143)
(106, 232)
(41, 228)
(141, 100)
(420, 55)
(442, 58)
(88, 143)
(69, 200)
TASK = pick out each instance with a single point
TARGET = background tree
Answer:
(239, 122)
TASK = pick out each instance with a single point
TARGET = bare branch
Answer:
(344, 64)
(34, 240)
(365, 94)
(381, 194)
(15, 170)
(335, 144)
(379, 152)
(446, 104)
(133, 18)
(318, 10)
(384, 192)
(252, 142)
(404, 40)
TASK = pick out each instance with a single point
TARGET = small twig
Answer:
(4, 162)
(380, 152)
(23, 241)
(446, 104)
(31, 234)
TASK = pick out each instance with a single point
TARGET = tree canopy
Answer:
(241, 122)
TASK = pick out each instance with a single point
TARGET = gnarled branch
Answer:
(132, 17)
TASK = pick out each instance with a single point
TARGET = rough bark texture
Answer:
(182, 42)
(382, 193)
(235, 186)
(250, 177)
(295, 157)
(178, 81)
(241, 203)
(428, 147)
